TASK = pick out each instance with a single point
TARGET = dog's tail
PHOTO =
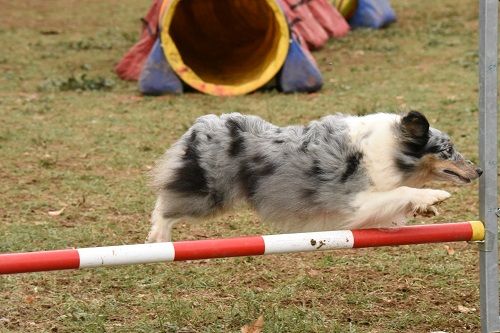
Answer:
(163, 171)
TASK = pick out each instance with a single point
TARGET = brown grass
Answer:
(90, 150)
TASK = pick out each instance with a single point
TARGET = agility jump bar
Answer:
(11, 263)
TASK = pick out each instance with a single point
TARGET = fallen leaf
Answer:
(313, 272)
(57, 212)
(256, 327)
(450, 250)
(67, 224)
(464, 309)
(4, 320)
(31, 97)
(50, 32)
(39, 222)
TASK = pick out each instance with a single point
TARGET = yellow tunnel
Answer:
(224, 47)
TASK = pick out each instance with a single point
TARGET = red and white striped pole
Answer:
(240, 246)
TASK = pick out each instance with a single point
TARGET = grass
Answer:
(88, 147)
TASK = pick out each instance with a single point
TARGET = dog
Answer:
(339, 172)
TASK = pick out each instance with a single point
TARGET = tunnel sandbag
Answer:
(157, 77)
(224, 47)
(329, 17)
(131, 65)
(373, 14)
(300, 72)
(315, 21)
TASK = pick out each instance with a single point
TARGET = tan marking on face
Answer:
(433, 168)
(424, 172)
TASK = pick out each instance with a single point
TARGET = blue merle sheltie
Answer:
(339, 172)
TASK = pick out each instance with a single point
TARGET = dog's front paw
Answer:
(426, 211)
(424, 204)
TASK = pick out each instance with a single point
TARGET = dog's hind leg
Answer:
(171, 208)
(390, 208)
(161, 225)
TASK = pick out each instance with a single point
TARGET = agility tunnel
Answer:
(240, 246)
(226, 48)
(231, 47)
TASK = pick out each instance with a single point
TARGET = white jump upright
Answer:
(488, 154)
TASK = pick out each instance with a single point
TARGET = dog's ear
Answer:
(415, 128)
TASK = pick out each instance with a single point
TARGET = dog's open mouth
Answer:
(454, 174)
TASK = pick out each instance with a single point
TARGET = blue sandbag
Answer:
(372, 14)
(299, 73)
(157, 77)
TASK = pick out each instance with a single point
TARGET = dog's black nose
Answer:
(479, 172)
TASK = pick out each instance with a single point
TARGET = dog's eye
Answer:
(447, 152)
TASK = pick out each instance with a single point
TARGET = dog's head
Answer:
(428, 154)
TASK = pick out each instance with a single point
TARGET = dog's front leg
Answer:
(389, 208)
